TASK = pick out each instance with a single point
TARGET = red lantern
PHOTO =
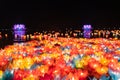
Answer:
(48, 62)
(93, 64)
(46, 77)
(113, 60)
(82, 74)
(18, 75)
(108, 56)
(70, 76)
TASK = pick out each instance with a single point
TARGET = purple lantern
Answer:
(19, 30)
(87, 30)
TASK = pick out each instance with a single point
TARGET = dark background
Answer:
(54, 13)
(40, 15)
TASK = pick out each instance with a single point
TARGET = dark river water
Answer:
(9, 40)
(4, 41)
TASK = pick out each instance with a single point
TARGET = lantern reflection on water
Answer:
(19, 32)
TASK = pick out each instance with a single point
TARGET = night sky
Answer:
(31, 13)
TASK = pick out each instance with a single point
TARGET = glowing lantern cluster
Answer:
(77, 59)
